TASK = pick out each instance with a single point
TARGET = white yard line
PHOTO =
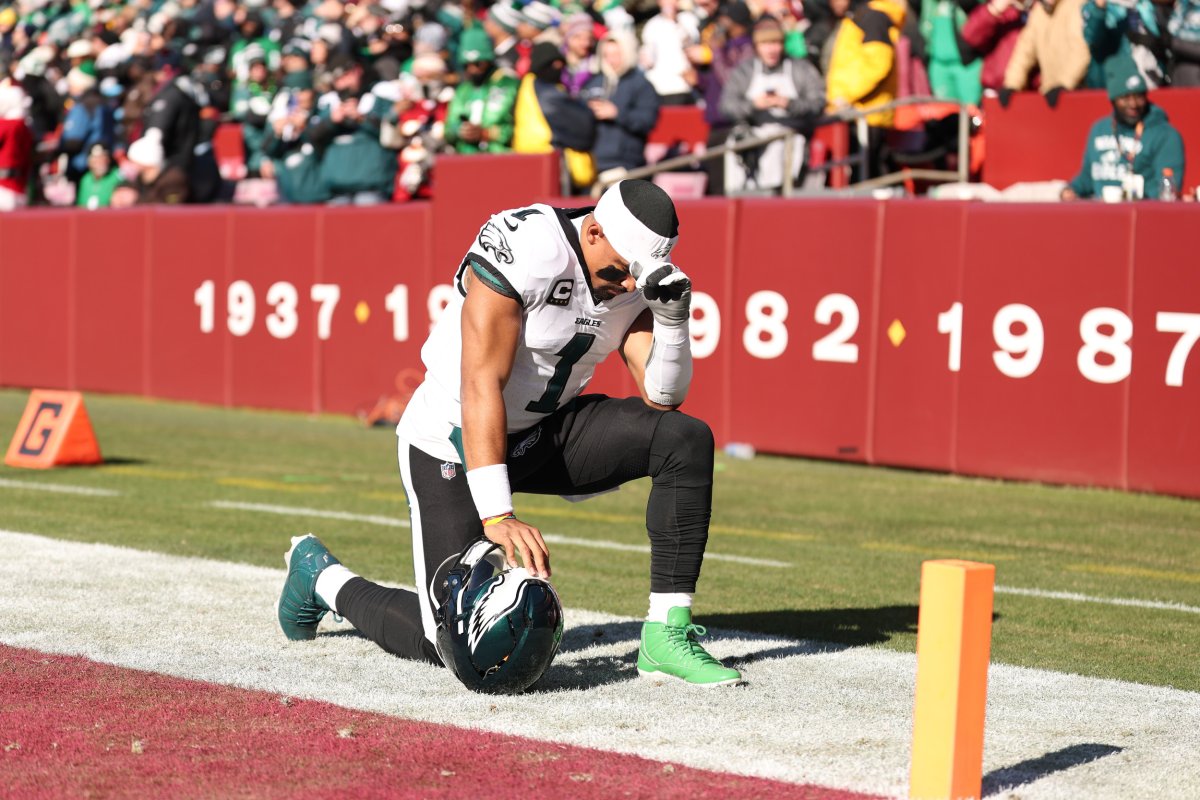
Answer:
(61, 488)
(813, 713)
(297, 511)
(600, 544)
(396, 522)
(1109, 601)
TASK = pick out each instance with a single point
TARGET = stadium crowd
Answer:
(104, 102)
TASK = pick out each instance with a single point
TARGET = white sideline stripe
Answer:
(811, 713)
(555, 538)
(62, 488)
(394, 522)
(297, 511)
(1109, 601)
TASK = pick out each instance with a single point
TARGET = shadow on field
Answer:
(1006, 778)
(848, 626)
(598, 670)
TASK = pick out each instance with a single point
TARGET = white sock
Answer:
(330, 582)
(663, 602)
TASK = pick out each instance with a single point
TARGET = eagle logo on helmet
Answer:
(498, 629)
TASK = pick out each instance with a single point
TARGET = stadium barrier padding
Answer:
(1029, 141)
(1056, 343)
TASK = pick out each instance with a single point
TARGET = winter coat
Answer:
(1052, 41)
(994, 38)
(941, 21)
(1160, 146)
(251, 104)
(175, 111)
(97, 192)
(712, 80)
(170, 187)
(566, 122)
(354, 160)
(88, 123)
(1184, 28)
(621, 142)
(862, 69)
(1139, 33)
(662, 53)
(490, 106)
(297, 168)
(802, 109)
(16, 155)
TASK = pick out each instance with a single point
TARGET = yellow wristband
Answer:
(498, 519)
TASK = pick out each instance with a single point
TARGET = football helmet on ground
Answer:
(497, 628)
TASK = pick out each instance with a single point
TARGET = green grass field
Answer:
(854, 537)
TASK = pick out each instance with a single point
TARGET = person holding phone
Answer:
(769, 94)
(480, 117)
(624, 103)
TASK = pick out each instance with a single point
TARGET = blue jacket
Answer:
(90, 127)
(621, 142)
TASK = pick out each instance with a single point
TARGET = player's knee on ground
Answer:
(682, 444)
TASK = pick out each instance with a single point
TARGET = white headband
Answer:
(632, 240)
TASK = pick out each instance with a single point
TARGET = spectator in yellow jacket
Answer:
(862, 69)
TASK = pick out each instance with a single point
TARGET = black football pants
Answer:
(592, 444)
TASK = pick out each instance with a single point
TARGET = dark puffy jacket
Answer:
(175, 111)
(354, 160)
(621, 142)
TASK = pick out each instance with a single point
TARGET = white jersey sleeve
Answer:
(517, 254)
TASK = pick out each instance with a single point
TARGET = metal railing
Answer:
(851, 115)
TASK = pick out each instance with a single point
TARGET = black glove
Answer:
(1052, 96)
(669, 293)
(1005, 97)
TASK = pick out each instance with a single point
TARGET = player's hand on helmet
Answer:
(516, 537)
(668, 292)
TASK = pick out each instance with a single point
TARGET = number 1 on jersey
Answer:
(569, 355)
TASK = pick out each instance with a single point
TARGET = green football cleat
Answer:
(300, 610)
(671, 650)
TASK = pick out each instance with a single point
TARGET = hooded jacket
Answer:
(1105, 161)
(621, 142)
(862, 69)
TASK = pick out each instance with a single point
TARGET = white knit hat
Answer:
(12, 100)
(540, 15)
(148, 150)
(79, 81)
(80, 48)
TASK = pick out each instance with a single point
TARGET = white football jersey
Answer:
(533, 256)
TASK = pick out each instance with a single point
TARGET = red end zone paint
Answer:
(70, 727)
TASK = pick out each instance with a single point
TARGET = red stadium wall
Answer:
(1055, 343)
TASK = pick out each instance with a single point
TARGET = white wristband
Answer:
(490, 490)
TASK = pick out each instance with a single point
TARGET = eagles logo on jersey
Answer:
(491, 239)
